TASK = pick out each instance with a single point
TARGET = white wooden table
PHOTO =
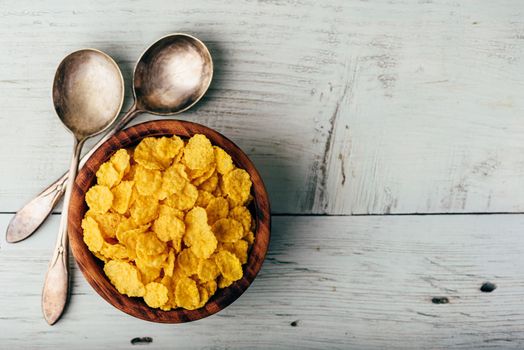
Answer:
(390, 135)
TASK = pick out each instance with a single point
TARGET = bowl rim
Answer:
(91, 266)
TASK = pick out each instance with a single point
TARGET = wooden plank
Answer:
(328, 282)
(345, 106)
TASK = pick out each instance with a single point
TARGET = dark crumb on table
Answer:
(440, 300)
(488, 287)
(141, 340)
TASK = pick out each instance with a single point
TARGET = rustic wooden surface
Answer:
(328, 282)
(346, 107)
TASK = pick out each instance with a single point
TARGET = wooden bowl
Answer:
(92, 268)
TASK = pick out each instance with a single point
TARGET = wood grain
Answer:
(327, 282)
(92, 268)
(345, 107)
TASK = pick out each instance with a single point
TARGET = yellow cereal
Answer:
(239, 248)
(237, 185)
(174, 180)
(92, 235)
(207, 270)
(242, 215)
(198, 153)
(169, 283)
(224, 282)
(229, 265)
(217, 208)
(188, 262)
(210, 184)
(211, 287)
(128, 236)
(198, 236)
(165, 209)
(202, 244)
(107, 223)
(148, 244)
(125, 278)
(148, 273)
(208, 173)
(128, 224)
(203, 296)
(187, 294)
(218, 192)
(144, 209)
(184, 199)
(145, 154)
(101, 257)
(99, 199)
(169, 220)
(228, 230)
(147, 182)
(120, 161)
(155, 294)
(203, 198)
(114, 251)
(169, 265)
(122, 196)
(107, 175)
(169, 227)
(166, 149)
(249, 238)
(130, 175)
(223, 160)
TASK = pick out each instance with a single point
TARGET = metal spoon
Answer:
(88, 92)
(170, 77)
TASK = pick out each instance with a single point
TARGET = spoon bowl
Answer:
(88, 92)
(172, 75)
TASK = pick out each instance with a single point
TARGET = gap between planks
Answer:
(359, 215)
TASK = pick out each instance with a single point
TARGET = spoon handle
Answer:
(56, 284)
(27, 220)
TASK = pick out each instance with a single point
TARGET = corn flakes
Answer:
(237, 185)
(99, 199)
(107, 175)
(228, 230)
(155, 294)
(242, 215)
(183, 200)
(198, 153)
(229, 265)
(107, 223)
(207, 270)
(188, 262)
(168, 226)
(210, 184)
(92, 235)
(122, 196)
(120, 161)
(144, 209)
(218, 208)
(114, 251)
(203, 198)
(169, 220)
(125, 278)
(239, 248)
(147, 182)
(223, 160)
(187, 294)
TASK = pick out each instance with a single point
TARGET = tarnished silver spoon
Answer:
(171, 76)
(88, 92)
